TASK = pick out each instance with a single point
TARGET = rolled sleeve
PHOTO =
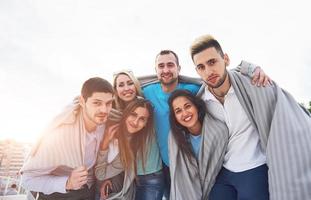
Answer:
(46, 184)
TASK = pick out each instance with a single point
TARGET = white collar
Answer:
(208, 96)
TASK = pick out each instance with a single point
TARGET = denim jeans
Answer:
(150, 186)
(248, 185)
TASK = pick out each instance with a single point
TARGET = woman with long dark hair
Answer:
(196, 140)
(186, 118)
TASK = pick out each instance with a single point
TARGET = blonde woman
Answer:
(148, 169)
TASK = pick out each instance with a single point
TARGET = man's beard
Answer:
(171, 82)
(92, 119)
(220, 82)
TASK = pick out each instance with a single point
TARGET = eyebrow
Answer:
(103, 100)
(97, 100)
(178, 108)
(133, 112)
(212, 59)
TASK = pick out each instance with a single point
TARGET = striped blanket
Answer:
(285, 135)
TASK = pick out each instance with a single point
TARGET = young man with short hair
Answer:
(167, 68)
(267, 130)
(61, 164)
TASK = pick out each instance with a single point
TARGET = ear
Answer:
(226, 59)
(179, 68)
(81, 101)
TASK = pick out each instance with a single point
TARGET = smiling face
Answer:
(137, 120)
(186, 114)
(125, 88)
(167, 69)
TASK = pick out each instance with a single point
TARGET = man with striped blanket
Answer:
(267, 155)
(61, 165)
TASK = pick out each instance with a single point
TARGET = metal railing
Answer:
(7, 181)
(21, 194)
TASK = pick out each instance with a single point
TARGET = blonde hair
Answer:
(119, 102)
(204, 42)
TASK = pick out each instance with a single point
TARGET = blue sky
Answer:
(49, 48)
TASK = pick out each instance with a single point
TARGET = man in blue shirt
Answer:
(167, 68)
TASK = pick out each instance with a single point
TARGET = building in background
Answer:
(12, 156)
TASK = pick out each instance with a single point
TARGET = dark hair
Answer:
(205, 42)
(181, 133)
(136, 150)
(93, 85)
(165, 52)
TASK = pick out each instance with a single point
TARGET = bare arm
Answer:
(104, 169)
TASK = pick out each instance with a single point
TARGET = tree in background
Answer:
(306, 108)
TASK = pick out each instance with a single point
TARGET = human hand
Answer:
(76, 104)
(108, 136)
(105, 189)
(260, 78)
(77, 178)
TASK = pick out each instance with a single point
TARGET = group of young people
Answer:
(229, 135)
